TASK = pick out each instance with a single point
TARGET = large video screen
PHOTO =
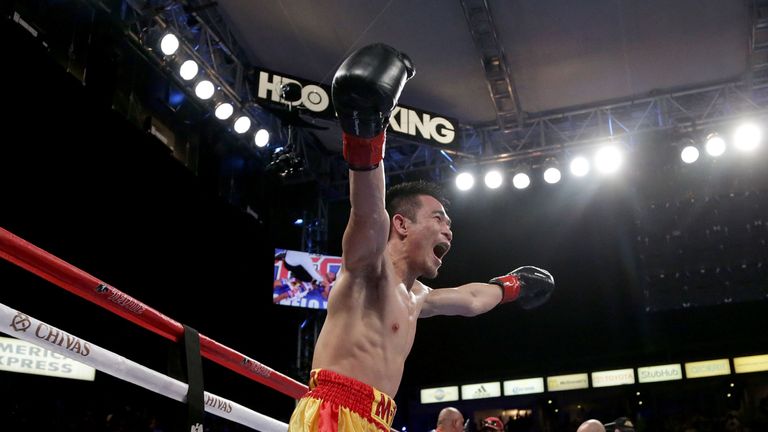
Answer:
(303, 279)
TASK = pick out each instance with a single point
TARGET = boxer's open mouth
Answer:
(441, 249)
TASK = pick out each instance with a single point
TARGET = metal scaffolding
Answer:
(501, 85)
(205, 38)
(758, 39)
(682, 111)
(511, 139)
(314, 229)
(507, 142)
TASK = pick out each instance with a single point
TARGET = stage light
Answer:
(285, 163)
(204, 89)
(715, 145)
(242, 124)
(224, 110)
(176, 97)
(552, 175)
(261, 138)
(579, 166)
(608, 159)
(493, 179)
(747, 137)
(465, 181)
(188, 70)
(689, 154)
(169, 44)
(521, 181)
(290, 92)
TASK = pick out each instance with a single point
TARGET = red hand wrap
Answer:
(363, 154)
(510, 287)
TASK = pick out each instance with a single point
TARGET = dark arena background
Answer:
(110, 162)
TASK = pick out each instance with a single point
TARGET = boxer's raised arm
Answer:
(365, 91)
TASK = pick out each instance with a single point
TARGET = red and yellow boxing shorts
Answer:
(339, 403)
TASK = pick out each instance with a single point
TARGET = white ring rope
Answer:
(22, 326)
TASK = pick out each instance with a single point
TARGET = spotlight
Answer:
(188, 70)
(715, 145)
(204, 89)
(224, 110)
(169, 44)
(521, 181)
(689, 154)
(608, 159)
(242, 124)
(493, 179)
(465, 181)
(579, 166)
(747, 137)
(552, 175)
(261, 138)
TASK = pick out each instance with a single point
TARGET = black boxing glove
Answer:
(529, 286)
(365, 91)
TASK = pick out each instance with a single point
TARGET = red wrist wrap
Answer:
(510, 287)
(363, 154)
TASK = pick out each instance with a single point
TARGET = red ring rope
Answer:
(76, 281)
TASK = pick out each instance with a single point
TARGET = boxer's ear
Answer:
(400, 224)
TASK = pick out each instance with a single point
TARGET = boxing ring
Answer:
(76, 281)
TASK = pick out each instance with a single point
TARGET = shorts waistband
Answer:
(359, 397)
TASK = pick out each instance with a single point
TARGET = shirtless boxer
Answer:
(373, 308)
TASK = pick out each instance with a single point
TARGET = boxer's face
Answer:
(430, 236)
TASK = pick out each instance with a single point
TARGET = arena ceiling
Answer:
(559, 54)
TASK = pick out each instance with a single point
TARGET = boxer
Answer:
(387, 245)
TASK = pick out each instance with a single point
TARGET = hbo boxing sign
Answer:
(416, 124)
(313, 97)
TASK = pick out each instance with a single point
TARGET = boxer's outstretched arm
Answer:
(529, 286)
(467, 300)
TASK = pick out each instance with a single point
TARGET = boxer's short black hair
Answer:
(404, 197)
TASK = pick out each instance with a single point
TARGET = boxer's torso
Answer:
(370, 327)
